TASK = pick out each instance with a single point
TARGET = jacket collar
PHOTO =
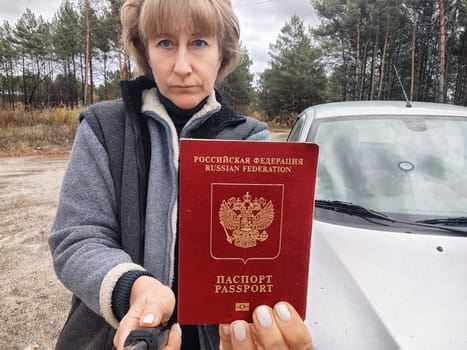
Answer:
(132, 92)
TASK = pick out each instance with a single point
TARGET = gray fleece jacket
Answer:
(85, 238)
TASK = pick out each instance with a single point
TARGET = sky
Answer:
(260, 20)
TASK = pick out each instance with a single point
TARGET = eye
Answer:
(165, 43)
(200, 43)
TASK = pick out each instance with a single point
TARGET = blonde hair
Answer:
(143, 20)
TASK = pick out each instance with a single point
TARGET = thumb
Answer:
(174, 341)
(150, 319)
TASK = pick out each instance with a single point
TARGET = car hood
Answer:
(386, 290)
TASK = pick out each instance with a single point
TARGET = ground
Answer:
(33, 303)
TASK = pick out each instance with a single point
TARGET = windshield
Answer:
(413, 167)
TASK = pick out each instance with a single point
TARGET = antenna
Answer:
(408, 104)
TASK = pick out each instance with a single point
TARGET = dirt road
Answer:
(33, 303)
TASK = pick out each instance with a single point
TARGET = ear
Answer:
(220, 63)
(221, 56)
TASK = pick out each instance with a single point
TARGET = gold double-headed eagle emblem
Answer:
(245, 221)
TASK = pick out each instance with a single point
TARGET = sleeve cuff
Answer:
(107, 287)
(122, 292)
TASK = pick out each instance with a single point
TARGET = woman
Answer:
(113, 240)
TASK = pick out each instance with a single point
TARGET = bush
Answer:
(50, 131)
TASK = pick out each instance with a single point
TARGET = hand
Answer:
(174, 341)
(151, 304)
(278, 328)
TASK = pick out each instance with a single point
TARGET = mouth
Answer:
(183, 87)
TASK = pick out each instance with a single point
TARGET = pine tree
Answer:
(295, 79)
(237, 88)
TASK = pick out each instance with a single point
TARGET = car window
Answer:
(412, 166)
(297, 129)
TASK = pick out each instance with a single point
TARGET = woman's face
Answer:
(184, 64)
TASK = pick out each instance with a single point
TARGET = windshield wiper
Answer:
(352, 209)
(368, 214)
(453, 221)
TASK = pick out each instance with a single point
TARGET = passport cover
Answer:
(246, 210)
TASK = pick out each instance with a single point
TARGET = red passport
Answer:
(246, 210)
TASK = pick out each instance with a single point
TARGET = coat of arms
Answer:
(245, 220)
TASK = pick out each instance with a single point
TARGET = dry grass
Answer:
(35, 132)
(50, 132)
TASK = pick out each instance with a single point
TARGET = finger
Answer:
(267, 333)
(127, 324)
(174, 341)
(292, 327)
(153, 301)
(157, 307)
(241, 337)
(225, 337)
(135, 318)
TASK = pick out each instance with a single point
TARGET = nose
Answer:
(182, 63)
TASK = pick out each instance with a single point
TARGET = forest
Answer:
(361, 50)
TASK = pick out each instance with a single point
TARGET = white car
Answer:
(389, 242)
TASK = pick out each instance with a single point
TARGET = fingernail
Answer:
(264, 317)
(239, 331)
(179, 329)
(226, 329)
(283, 312)
(149, 319)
